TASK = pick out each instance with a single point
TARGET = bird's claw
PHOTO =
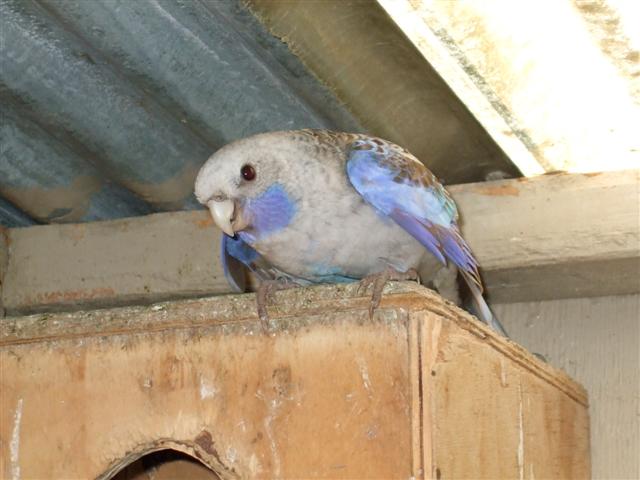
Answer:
(264, 318)
(263, 295)
(379, 280)
(265, 291)
(365, 283)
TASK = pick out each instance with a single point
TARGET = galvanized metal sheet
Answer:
(10, 216)
(116, 101)
(50, 181)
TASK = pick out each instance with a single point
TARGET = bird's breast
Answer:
(339, 237)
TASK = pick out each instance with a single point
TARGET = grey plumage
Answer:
(333, 225)
(323, 206)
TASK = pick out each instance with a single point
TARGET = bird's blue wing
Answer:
(399, 186)
(236, 254)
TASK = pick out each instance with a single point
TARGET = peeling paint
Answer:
(14, 445)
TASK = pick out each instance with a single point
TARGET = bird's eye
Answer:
(248, 172)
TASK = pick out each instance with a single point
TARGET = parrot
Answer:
(304, 207)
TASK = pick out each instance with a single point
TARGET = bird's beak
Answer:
(222, 213)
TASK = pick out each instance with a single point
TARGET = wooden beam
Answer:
(135, 260)
(555, 236)
(552, 236)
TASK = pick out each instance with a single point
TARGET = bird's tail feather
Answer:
(484, 312)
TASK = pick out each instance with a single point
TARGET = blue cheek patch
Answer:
(270, 212)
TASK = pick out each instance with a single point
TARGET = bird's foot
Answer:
(265, 291)
(379, 280)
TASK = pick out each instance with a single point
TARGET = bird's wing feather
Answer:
(398, 185)
(236, 253)
(234, 256)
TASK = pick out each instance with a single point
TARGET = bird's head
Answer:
(239, 173)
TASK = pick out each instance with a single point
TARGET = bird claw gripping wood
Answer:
(379, 280)
(264, 294)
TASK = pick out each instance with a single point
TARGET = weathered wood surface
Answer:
(143, 259)
(421, 391)
(596, 341)
(553, 236)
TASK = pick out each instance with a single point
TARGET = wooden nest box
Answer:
(421, 391)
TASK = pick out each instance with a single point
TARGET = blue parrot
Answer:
(315, 206)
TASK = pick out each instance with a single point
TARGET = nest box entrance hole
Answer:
(166, 465)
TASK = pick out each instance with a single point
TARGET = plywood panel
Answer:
(247, 396)
(328, 393)
(507, 408)
(597, 341)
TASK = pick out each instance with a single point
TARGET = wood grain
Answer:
(597, 341)
(328, 394)
(555, 236)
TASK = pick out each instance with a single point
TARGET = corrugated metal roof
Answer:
(110, 107)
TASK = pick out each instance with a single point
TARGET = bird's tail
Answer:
(484, 312)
